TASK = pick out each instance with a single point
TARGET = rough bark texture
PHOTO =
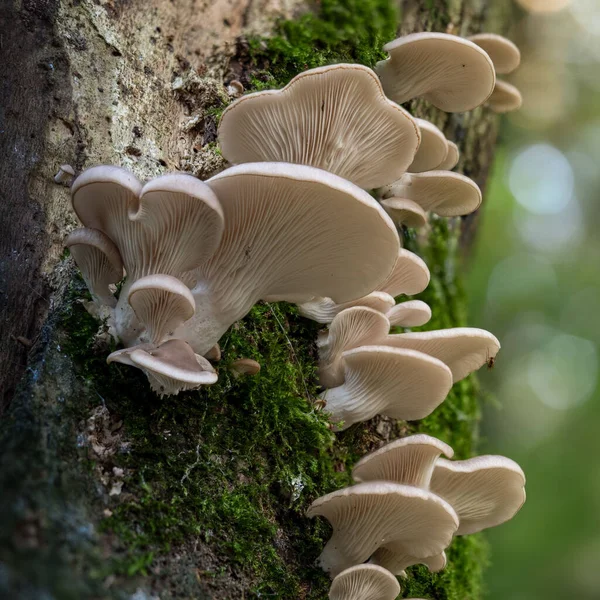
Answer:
(83, 510)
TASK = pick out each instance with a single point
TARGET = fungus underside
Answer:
(236, 464)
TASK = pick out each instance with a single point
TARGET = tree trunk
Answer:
(107, 489)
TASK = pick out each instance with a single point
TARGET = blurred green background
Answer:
(534, 280)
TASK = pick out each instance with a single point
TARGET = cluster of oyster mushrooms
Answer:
(293, 220)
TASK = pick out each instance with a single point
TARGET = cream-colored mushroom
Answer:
(505, 55)
(395, 558)
(445, 193)
(324, 310)
(351, 328)
(506, 98)
(432, 149)
(244, 366)
(452, 73)
(378, 380)
(405, 212)
(452, 157)
(412, 313)
(485, 491)
(364, 582)
(369, 515)
(336, 118)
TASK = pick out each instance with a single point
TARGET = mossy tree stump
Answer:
(107, 490)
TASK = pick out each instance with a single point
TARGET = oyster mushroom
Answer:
(364, 582)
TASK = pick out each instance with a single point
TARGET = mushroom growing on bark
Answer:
(412, 313)
(452, 73)
(405, 212)
(336, 118)
(364, 582)
(432, 149)
(452, 157)
(369, 515)
(395, 558)
(506, 98)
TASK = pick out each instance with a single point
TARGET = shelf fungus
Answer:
(336, 118)
(364, 582)
(433, 148)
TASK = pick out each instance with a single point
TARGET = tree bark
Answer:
(133, 83)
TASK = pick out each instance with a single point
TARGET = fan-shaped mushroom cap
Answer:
(463, 349)
(504, 54)
(451, 159)
(99, 261)
(292, 233)
(336, 118)
(445, 193)
(485, 491)
(452, 73)
(162, 303)
(364, 582)
(378, 380)
(506, 98)
(369, 515)
(408, 460)
(395, 559)
(351, 328)
(412, 313)
(410, 275)
(171, 368)
(244, 366)
(405, 212)
(324, 310)
(432, 149)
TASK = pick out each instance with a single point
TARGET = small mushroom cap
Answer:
(99, 261)
(409, 276)
(405, 212)
(162, 303)
(412, 313)
(432, 149)
(452, 73)
(379, 380)
(485, 491)
(463, 349)
(369, 515)
(408, 460)
(506, 98)
(324, 310)
(452, 157)
(445, 193)
(335, 118)
(351, 328)
(504, 54)
(170, 368)
(214, 353)
(395, 559)
(364, 582)
(245, 366)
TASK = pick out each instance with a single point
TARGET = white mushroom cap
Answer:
(378, 380)
(463, 349)
(410, 275)
(452, 73)
(364, 582)
(405, 212)
(244, 366)
(506, 98)
(324, 310)
(99, 261)
(445, 193)
(351, 328)
(396, 559)
(408, 460)
(335, 118)
(412, 313)
(292, 233)
(432, 149)
(162, 303)
(369, 515)
(171, 368)
(504, 54)
(452, 157)
(485, 491)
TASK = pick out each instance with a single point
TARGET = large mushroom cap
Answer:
(324, 310)
(99, 261)
(445, 193)
(351, 328)
(504, 54)
(364, 582)
(452, 73)
(396, 559)
(485, 491)
(412, 313)
(336, 118)
(162, 303)
(378, 380)
(369, 515)
(432, 149)
(452, 157)
(506, 98)
(405, 212)
(463, 349)
(409, 461)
